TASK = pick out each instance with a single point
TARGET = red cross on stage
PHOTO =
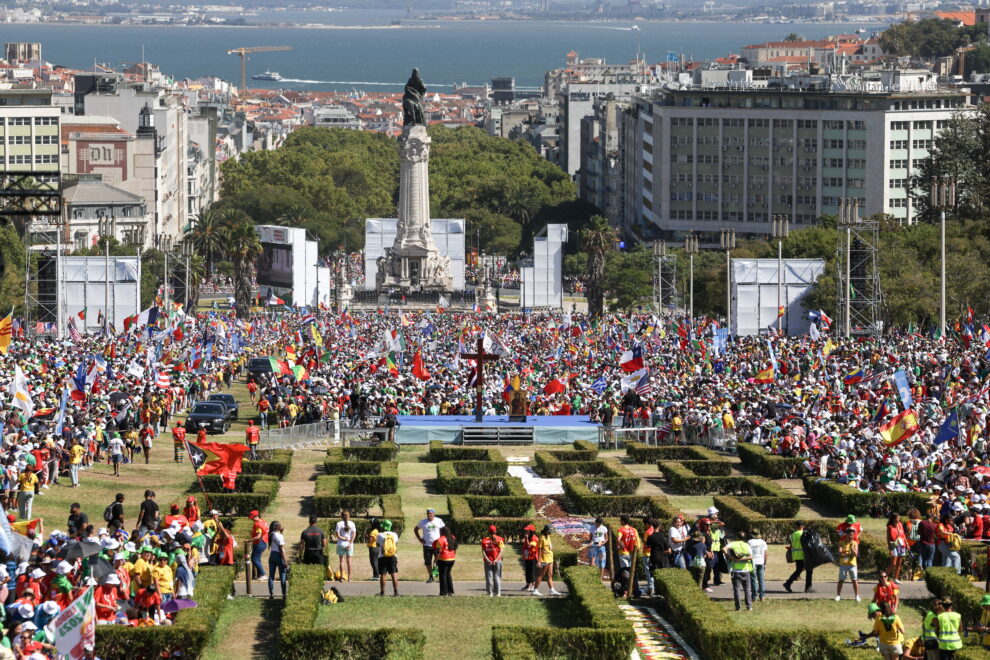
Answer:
(480, 357)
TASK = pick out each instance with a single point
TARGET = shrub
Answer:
(263, 492)
(686, 453)
(299, 640)
(386, 451)
(441, 452)
(685, 480)
(352, 467)
(452, 480)
(757, 459)
(276, 462)
(212, 483)
(584, 500)
(192, 631)
(847, 499)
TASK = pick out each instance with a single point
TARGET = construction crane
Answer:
(244, 52)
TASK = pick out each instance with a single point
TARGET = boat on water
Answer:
(268, 75)
(634, 28)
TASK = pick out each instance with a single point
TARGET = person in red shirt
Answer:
(445, 549)
(149, 602)
(491, 555)
(106, 596)
(191, 510)
(259, 543)
(252, 388)
(886, 592)
(175, 516)
(897, 542)
(263, 408)
(530, 555)
(178, 442)
(252, 435)
(849, 527)
(229, 481)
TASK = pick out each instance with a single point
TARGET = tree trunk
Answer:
(596, 275)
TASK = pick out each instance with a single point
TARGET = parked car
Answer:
(211, 415)
(229, 401)
(259, 366)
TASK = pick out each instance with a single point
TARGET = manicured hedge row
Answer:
(365, 480)
(686, 480)
(602, 631)
(441, 452)
(263, 492)
(276, 462)
(192, 631)
(386, 451)
(685, 453)
(356, 493)
(847, 499)
(212, 483)
(452, 480)
(966, 596)
(757, 459)
(582, 499)
(299, 640)
(352, 467)
(617, 480)
(705, 625)
(470, 517)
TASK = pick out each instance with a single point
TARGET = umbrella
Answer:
(81, 549)
(177, 604)
(100, 568)
(115, 397)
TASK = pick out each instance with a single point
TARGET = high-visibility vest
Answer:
(797, 553)
(717, 536)
(741, 549)
(948, 631)
(928, 627)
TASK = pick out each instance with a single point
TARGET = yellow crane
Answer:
(247, 50)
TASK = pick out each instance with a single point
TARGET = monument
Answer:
(414, 262)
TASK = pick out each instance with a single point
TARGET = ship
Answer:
(267, 75)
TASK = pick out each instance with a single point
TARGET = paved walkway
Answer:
(775, 589)
(408, 588)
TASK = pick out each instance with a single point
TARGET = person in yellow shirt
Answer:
(890, 631)
(984, 626)
(162, 574)
(141, 570)
(27, 486)
(76, 453)
(545, 555)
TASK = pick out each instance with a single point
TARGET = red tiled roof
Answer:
(964, 17)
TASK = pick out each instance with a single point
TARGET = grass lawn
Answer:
(436, 617)
(247, 628)
(846, 616)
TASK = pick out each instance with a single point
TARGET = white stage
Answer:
(542, 280)
(84, 285)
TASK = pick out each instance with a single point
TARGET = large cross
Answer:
(480, 357)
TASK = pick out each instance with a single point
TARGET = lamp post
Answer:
(659, 253)
(691, 247)
(848, 215)
(728, 243)
(943, 198)
(780, 226)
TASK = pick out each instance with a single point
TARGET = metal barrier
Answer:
(318, 434)
(610, 437)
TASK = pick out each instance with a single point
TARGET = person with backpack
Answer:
(491, 555)
(949, 544)
(797, 556)
(114, 513)
(445, 549)
(740, 567)
(388, 562)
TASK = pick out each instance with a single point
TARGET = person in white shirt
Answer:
(598, 549)
(678, 535)
(427, 531)
(276, 558)
(388, 564)
(344, 532)
(758, 548)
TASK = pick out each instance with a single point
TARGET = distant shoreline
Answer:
(292, 26)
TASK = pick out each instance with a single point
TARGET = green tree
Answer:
(960, 153)
(243, 248)
(628, 279)
(793, 36)
(597, 241)
(208, 237)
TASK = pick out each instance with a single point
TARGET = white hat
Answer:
(712, 511)
(50, 607)
(29, 625)
(957, 506)
(102, 531)
(37, 574)
(113, 545)
(26, 610)
(120, 556)
(63, 568)
(90, 582)
(130, 547)
(111, 578)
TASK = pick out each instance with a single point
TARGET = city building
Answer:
(22, 51)
(93, 209)
(699, 158)
(29, 131)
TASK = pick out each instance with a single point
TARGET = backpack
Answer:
(388, 546)
(108, 512)
(914, 534)
(331, 596)
(955, 542)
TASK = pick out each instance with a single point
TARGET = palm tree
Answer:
(295, 216)
(197, 273)
(243, 248)
(597, 239)
(208, 237)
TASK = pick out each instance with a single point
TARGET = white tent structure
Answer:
(755, 294)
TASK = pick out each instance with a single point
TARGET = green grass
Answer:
(455, 628)
(846, 616)
(245, 629)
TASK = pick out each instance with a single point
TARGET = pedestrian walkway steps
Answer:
(534, 483)
(655, 638)
(497, 435)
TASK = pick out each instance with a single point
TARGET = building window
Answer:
(20, 121)
(899, 144)
(918, 162)
(833, 181)
(833, 162)
(46, 139)
(46, 121)
(922, 126)
(899, 125)
(897, 183)
(858, 163)
(857, 144)
(898, 164)
(832, 125)
(897, 203)
(810, 124)
(835, 144)
(921, 144)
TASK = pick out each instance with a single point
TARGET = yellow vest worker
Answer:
(949, 624)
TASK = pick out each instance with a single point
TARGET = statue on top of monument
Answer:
(412, 101)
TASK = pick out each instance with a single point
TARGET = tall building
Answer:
(29, 130)
(705, 157)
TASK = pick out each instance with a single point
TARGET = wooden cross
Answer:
(480, 357)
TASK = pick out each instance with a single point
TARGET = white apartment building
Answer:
(29, 131)
(702, 159)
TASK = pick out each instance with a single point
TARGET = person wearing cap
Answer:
(105, 597)
(492, 546)
(849, 528)
(163, 576)
(984, 625)
(191, 510)
(427, 532)
(948, 626)
(848, 558)
(889, 629)
(530, 553)
(388, 560)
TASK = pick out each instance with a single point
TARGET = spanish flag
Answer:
(780, 311)
(6, 331)
(765, 376)
(900, 428)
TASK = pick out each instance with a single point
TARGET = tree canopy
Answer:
(931, 37)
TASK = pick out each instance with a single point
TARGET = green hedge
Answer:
(386, 451)
(643, 453)
(364, 481)
(478, 478)
(352, 467)
(441, 452)
(847, 499)
(276, 462)
(757, 459)
(602, 630)
(263, 492)
(212, 483)
(582, 499)
(299, 640)
(356, 493)
(192, 631)
(685, 480)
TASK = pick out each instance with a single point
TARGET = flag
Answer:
(632, 360)
(147, 317)
(6, 332)
(881, 413)
(826, 321)
(300, 373)
(317, 337)
(765, 376)
(643, 385)
(903, 389)
(900, 428)
(163, 380)
(969, 315)
(216, 457)
(74, 331)
(813, 332)
(443, 303)
(949, 429)
(556, 385)
(855, 377)
(21, 395)
(75, 626)
(599, 385)
(82, 314)
(781, 311)
(418, 368)
(61, 412)
(828, 348)
(307, 318)
(390, 364)
(630, 381)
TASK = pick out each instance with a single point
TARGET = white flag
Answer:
(75, 627)
(813, 332)
(444, 303)
(22, 398)
(629, 381)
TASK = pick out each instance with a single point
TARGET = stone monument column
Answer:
(414, 229)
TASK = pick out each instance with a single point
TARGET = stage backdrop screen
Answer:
(274, 266)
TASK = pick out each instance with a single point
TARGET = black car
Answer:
(229, 401)
(258, 367)
(211, 415)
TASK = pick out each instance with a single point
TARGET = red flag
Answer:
(555, 386)
(216, 457)
(418, 368)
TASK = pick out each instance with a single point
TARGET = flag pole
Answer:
(199, 477)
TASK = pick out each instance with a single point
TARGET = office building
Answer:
(29, 129)
(22, 51)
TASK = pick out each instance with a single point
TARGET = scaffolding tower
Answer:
(858, 273)
(664, 278)
(32, 200)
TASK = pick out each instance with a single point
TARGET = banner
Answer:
(75, 626)
(903, 389)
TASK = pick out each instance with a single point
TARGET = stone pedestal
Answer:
(414, 263)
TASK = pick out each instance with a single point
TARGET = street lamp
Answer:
(691, 247)
(659, 254)
(728, 243)
(943, 198)
(780, 226)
